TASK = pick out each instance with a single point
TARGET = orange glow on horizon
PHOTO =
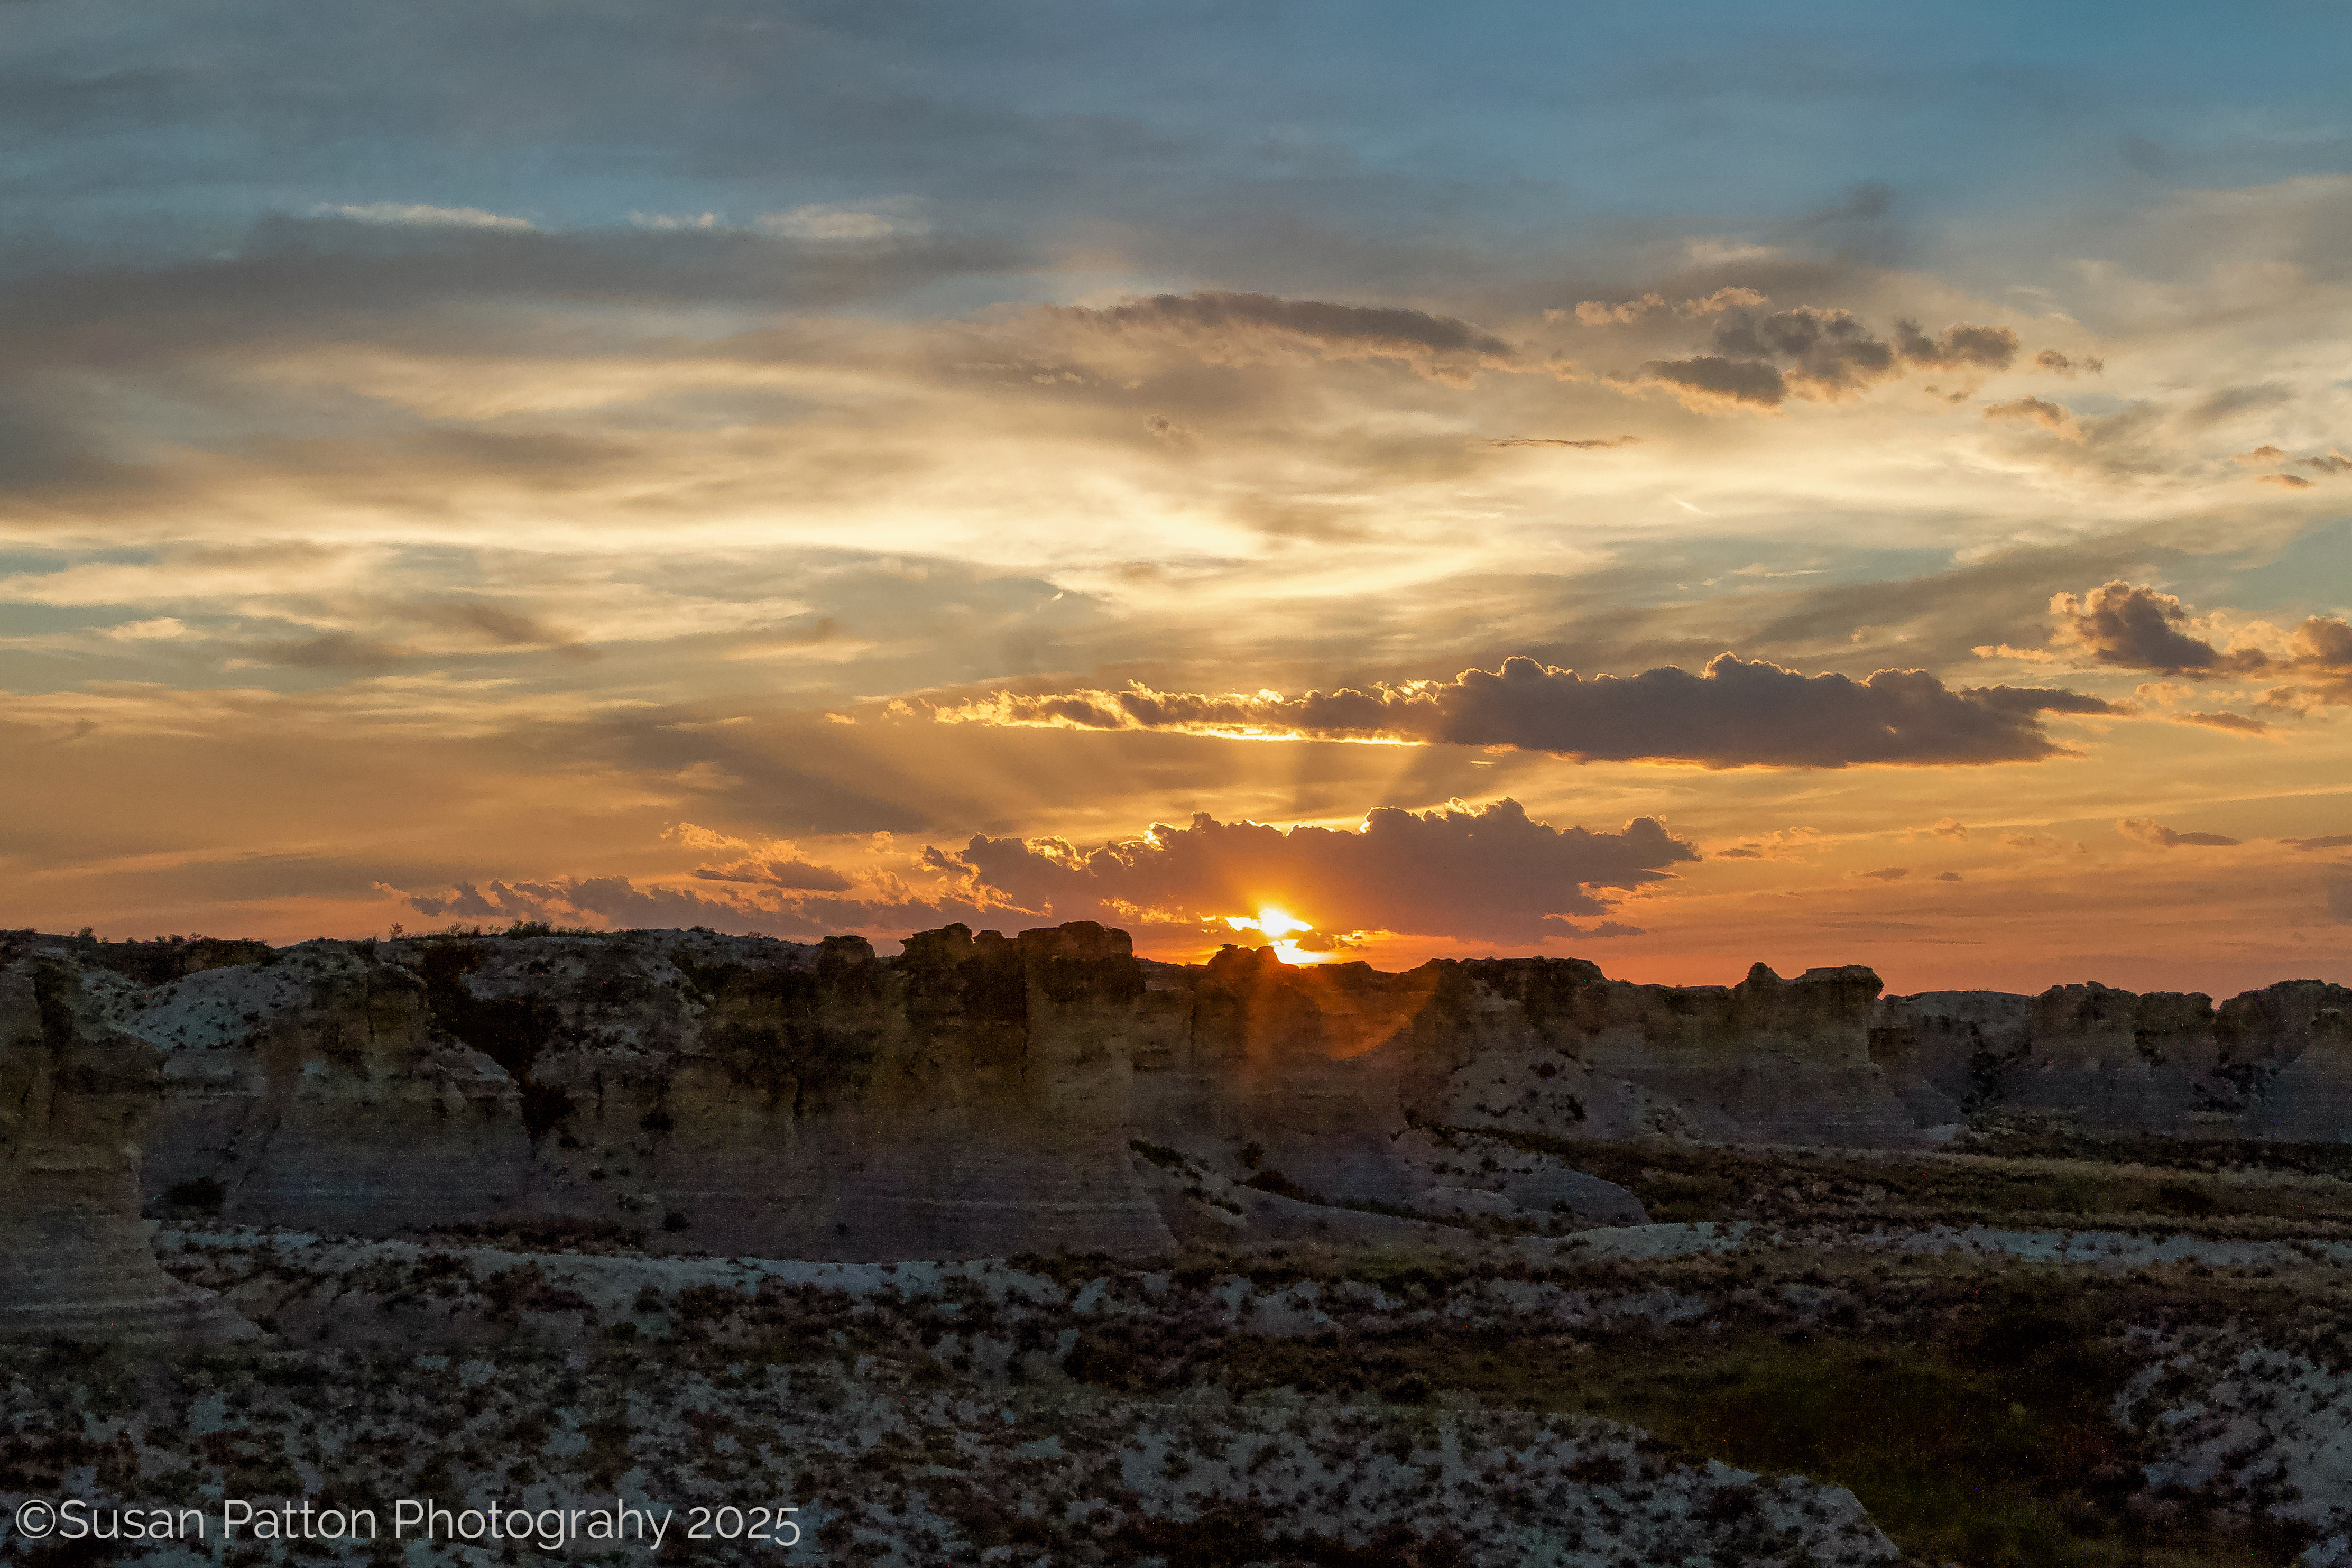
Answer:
(1279, 927)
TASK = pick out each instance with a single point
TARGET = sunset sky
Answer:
(1675, 485)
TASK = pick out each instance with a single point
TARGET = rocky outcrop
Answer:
(987, 1095)
(967, 1099)
(1552, 1046)
(2274, 1063)
(75, 1262)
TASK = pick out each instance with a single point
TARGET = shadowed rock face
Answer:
(2269, 1064)
(74, 1257)
(985, 1095)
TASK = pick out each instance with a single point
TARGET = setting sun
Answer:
(1278, 927)
(1274, 922)
(1212, 783)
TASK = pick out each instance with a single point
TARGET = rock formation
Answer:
(2274, 1063)
(74, 1256)
(985, 1095)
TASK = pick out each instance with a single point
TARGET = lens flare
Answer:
(1278, 923)
(1278, 926)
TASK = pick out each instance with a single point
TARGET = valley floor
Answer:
(1823, 1374)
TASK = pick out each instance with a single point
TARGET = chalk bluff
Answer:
(985, 1095)
(75, 1098)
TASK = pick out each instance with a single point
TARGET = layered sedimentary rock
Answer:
(74, 1256)
(987, 1095)
(965, 1100)
(2272, 1064)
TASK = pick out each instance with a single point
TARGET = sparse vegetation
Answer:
(2148, 1184)
(1891, 1321)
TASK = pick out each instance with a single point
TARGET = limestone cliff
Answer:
(74, 1256)
(985, 1095)
(2269, 1064)
(739, 1096)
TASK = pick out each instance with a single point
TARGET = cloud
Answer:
(2134, 626)
(1949, 877)
(615, 901)
(1831, 354)
(2147, 830)
(2237, 723)
(2332, 841)
(1824, 355)
(2323, 642)
(1624, 312)
(1883, 873)
(330, 280)
(793, 873)
(1737, 714)
(1229, 321)
(425, 216)
(2267, 454)
(2339, 899)
(1711, 380)
(2058, 364)
(500, 625)
(771, 863)
(1590, 444)
(330, 650)
(1485, 872)
(1959, 347)
(871, 220)
(2229, 402)
(2054, 417)
(1784, 844)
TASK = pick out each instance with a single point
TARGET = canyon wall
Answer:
(984, 1095)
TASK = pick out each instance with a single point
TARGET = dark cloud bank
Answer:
(1735, 713)
(1485, 873)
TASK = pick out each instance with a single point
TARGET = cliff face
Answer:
(967, 1099)
(74, 1099)
(990, 1095)
(1551, 1046)
(2269, 1064)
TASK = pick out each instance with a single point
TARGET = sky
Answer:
(1678, 486)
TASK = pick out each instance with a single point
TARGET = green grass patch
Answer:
(1986, 1442)
(2059, 1183)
